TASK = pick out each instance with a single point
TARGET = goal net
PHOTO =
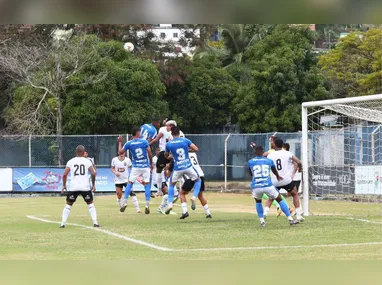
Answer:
(342, 156)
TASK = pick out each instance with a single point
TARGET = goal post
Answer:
(341, 152)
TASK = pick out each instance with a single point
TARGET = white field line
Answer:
(208, 249)
(108, 233)
(365, 221)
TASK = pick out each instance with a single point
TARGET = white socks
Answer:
(266, 210)
(134, 199)
(119, 201)
(298, 213)
(164, 201)
(206, 209)
(159, 182)
(184, 208)
(93, 213)
(65, 214)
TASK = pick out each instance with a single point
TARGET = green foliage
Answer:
(354, 66)
(205, 97)
(130, 95)
(284, 74)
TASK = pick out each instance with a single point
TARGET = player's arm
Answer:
(298, 162)
(193, 148)
(64, 179)
(116, 173)
(250, 170)
(157, 138)
(275, 172)
(149, 152)
(121, 149)
(265, 154)
(93, 174)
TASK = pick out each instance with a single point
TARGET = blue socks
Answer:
(171, 192)
(284, 207)
(147, 191)
(128, 190)
(260, 210)
(197, 185)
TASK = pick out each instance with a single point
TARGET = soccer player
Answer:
(296, 177)
(91, 159)
(162, 137)
(142, 164)
(189, 184)
(178, 148)
(79, 167)
(149, 131)
(120, 166)
(284, 161)
(259, 168)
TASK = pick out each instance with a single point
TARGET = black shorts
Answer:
(189, 184)
(171, 166)
(162, 160)
(121, 185)
(71, 196)
(289, 187)
(297, 184)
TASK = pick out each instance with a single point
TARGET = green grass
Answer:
(234, 224)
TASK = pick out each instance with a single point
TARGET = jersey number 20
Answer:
(80, 168)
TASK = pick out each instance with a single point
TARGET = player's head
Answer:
(278, 143)
(272, 140)
(175, 131)
(122, 155)
(170, 124)
(86, 154)
(286, 146)
(156, 122)
(157, 151)
(259, 151)
(136, 132)
(80, 150)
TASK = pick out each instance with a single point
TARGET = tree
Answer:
(354, 66)
(205, 97)
(44, 75)
(129, 96)
(284, 75)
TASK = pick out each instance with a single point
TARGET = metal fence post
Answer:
(30, 150)
(226, 161)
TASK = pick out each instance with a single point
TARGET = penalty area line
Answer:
(365, 221)
(110, 233)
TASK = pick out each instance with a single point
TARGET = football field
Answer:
(29, 229)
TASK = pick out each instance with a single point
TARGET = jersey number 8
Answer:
(181, 154)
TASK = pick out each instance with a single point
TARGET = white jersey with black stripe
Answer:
(195, 163)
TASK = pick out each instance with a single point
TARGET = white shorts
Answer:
(177, 175)
(271, 191)
(136, 172)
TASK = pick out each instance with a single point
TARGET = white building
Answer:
(166, 33)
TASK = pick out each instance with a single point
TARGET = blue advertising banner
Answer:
(50, 180)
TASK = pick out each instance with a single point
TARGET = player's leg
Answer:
(194, 176)
(203, 200)
(135, 201)
(146, 173)
(175, 176)
(88, 198)
(296, 203)
(283, 205)
(119, 192)
(183, 204)
(71, 197)
(268, 204)
(134, 174)
(162, 206)
(257, 194)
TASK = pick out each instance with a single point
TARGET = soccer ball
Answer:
(129, 46)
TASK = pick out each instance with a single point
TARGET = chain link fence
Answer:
(223, 157)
